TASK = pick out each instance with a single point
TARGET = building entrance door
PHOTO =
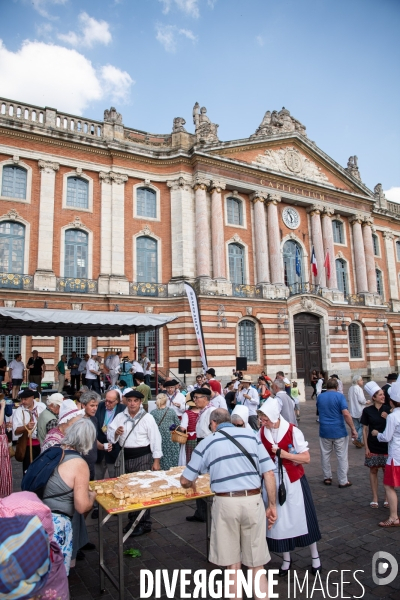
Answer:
(307, 337)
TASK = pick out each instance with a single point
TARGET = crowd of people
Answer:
(263, 502)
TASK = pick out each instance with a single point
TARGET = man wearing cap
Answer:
(286, 402)
(248, 396)
(49, 417)
(25, 418)
(215, 385)
(239, 524)
(392, 377)
(143, 388)
(136, 431)
(36, 368)
(176, 400)
(333, 416)
(93, 372)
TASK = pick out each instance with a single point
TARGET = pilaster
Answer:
(260, 237)
(327, 236)
(44, 277)
(182, 229)
(359, 254)
(118, 281)
(274, 242)
(217, 230)
(316, 235)
(369, 254)
(391, 266)
(202, 227)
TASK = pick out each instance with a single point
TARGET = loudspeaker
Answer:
(241, 363)
(185, 366)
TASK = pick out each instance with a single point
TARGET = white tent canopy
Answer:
(46, 321)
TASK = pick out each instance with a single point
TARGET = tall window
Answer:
(234, 209)
(237, 273)
(12, 243)
(76, 254)
(398, 250)
(355, 341)
(292, 262)
(74, 344)
(379, 282)
(77, 192)
(341, 275)
(146, 340)
(375, 243)
(14, 182)
(10, 345)
(247, 340)
(146, 260)
(338, 233)
(146, 202)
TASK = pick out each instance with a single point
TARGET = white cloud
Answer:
(189, 34)
(50, 75)
(211, 3)
(91, 32)
(260, 40)
(167, 36)
(189, 7)
(41, 7)
(393, 194)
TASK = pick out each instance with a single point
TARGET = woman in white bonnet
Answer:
(297, 523)
(240, 416)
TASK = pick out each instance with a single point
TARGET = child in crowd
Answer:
(295, 396)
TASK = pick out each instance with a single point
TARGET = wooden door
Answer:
(307, 337)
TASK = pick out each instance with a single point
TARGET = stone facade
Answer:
(194, 177)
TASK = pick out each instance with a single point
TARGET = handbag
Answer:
(119, 464)
(22, 443)
(281, 488)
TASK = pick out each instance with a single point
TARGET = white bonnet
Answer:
(272, 409)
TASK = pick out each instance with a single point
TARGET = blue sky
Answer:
(333, 63)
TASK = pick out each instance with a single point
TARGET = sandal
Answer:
(348, 484)
(374, 505)
(327, 481)
(386, 504)
(390, 523)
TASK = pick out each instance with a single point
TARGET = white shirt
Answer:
(179, 398)
(392, 435)
(203, 422)
(22, 416)
(91, 365)
(137, 367)
(146, 433)
(356, 401)
(114, 363)
(18, 368)
(318, 387)
(219, 402)
(252, 402)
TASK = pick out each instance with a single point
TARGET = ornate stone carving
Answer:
(78, 171)
(205, 131)
(368, 220)
(217, 185)
(147, 182)
(276, 122)
(249, 310)
(15, 159)
(77, 223)
(146, 231)
(201, 182)
(308, 303)
(112, 116)
(12, 215)
(76, 306)
(118, 178)
(289, 160)
(235, 194)
(178, 126)
(148, 309)
(274, 198)
(339, 254)
(180, 183)
(315, 209)
(379, 196)
(356, 219)
(352, 167)
(388, 235)
(48, 166)
(328, 211)
(259, 196)
(9, 303)
(104, 177)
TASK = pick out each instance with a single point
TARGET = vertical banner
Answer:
(194, 307)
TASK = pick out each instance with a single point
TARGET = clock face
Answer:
(291, 217)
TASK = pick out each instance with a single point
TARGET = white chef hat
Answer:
(272, 409)
(371, 387)
(394, 391)
(93, 352)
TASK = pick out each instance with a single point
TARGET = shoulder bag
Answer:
(241, 448)
(120, 462)
(22, 443)
(281, 488)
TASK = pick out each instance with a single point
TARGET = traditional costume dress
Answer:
(392, 436)
(5, 470)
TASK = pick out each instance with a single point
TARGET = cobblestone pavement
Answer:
(350, 537)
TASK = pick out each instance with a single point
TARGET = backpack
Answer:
(42, 468)
(107, 362)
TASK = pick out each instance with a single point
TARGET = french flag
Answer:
(314, 267)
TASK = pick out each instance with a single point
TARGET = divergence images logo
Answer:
(384, 568)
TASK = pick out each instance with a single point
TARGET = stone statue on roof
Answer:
(352, 167)
(112, 116)
(205, 131)
(380, 197)
(178, 126)
(276, 122)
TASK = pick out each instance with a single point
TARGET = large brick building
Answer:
(99, 216)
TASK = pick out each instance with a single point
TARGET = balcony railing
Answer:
(245, 291)
(159, 290)
(75, 285)
(355, 299)
(305, 288)
(14, 281)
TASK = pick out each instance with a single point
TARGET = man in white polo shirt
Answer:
(92, 372)
(248, 396)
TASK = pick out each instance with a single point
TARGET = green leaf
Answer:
(133, 552)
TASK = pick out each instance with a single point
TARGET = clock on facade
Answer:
(291, 217)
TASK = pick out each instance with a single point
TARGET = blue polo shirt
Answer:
(331, 421)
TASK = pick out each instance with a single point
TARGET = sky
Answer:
(333, 63)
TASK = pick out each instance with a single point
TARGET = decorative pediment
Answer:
(77, 223)
(289, 160)
(146, 231)
(12, 215)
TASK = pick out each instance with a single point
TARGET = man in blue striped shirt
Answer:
(239, 518)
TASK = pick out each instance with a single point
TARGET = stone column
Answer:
(359, 254)
(202, 227)
(391, 265)
(327, 236)
(118, 281)
(217, 230)
(316, 235)
(44, 276)
(260, 237)
(182, 229)
(105, 233)
(369, 255)
(274, 242)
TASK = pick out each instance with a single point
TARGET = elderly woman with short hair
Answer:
(68, 414)
(357, 403)
(166, 417)
(240, 416)
(48, 419)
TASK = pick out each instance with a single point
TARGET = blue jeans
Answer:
(359, 429)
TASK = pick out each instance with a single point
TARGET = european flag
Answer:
(298, 261)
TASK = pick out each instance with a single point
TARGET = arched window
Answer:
(234, 211)
(379, 282)
(146, 203)
(292, 262)
(14, 182)
(247, 340)
(338, 234)
(12, 243)
(76, 254)
(375, 243)
(341, 275)
(77, 192)
(237, 272)
(146, 260)
(355, 341)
